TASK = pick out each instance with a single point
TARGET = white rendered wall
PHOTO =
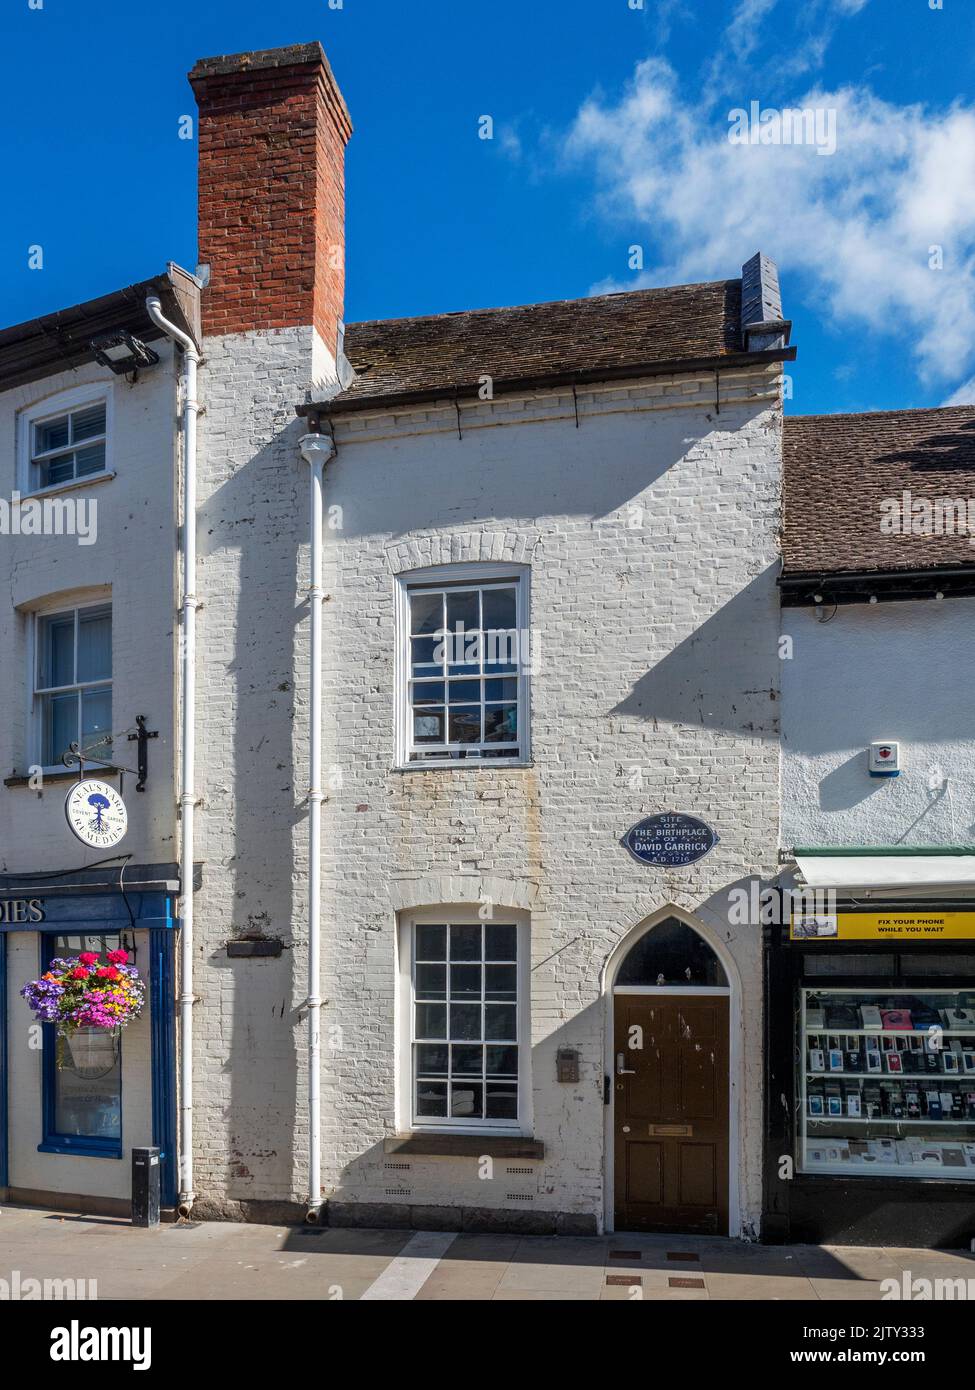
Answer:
(132, 561)
(879, 671)
(134, 556)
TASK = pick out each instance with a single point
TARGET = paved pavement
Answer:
(200, 1261)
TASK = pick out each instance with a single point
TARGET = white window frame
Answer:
(62, 403)
(456, 915)
(460, 574)
(63, 604)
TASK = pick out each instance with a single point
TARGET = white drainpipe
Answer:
(316, 450)
(187, 794)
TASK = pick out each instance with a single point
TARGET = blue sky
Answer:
(610, 131)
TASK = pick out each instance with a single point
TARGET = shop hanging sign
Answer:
(96, 814)
(669, 840)
(882, 926)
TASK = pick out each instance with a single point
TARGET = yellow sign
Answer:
(879, 926)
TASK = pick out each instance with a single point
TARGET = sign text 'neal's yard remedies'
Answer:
(17, 910)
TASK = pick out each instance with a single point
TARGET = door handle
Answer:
(620, 1069)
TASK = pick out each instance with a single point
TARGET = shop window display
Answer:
(887, 1082)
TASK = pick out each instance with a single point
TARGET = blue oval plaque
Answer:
(670, 840)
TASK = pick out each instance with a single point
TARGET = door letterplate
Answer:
(674, 1131)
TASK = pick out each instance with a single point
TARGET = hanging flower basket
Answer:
(89, 1001)
(92, 1051)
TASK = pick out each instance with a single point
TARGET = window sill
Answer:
(91, 770)
(72, 486)
(81, 1149)
(464, 765)
(464, 1145)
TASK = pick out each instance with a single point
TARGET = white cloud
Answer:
(742, 32)
(852, 232)
(965, 395)
(510, 142)
(795, 39)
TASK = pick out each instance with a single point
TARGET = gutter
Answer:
(813, 589)
(313, 410)
(187, 794)
(890, 851)
(806, 578)
(82, 890)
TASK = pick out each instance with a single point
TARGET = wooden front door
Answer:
(671, 1113)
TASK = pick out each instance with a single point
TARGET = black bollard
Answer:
(145, 1187)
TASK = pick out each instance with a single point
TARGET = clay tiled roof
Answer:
(607, 333)
(839, 469)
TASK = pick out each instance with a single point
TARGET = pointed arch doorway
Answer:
(670, 999)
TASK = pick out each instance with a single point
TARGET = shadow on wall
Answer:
(563, 1192)
(848, 784)
(464, 1193)
(254, 525)
(399, 487)
(713, 679)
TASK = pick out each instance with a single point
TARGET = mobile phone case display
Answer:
(887, 1082)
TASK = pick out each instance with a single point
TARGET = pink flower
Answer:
(115, 957)
(88, 957)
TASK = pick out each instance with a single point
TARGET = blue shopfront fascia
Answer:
(88, 913)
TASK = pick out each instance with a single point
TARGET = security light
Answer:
(122, 353)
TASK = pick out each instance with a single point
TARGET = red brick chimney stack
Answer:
(272, 134)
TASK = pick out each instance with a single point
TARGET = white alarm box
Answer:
(884, 758)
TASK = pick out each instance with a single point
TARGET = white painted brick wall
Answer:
(658, 651)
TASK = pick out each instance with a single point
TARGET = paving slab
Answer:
(675, 1296)
(759, 1286)
(542, 1296)
(844, 1290)
(586, 1278)
(584, 1251)
(207, 1260)
(490, 1248)
(461, 1281)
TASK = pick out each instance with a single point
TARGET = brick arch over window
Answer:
(458, 547)
(436, 890)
